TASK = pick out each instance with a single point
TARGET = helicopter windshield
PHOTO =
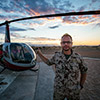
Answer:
(21, 53)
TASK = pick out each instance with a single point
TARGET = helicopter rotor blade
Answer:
(56, 15)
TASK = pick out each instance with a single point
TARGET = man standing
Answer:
(68, 67)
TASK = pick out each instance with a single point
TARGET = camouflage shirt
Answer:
(67, 71)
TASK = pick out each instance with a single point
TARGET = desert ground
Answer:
(91, 54)
(84, 51)
(38, 85)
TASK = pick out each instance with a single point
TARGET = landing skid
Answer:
(35, 70)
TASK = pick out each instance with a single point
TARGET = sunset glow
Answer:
(85, 29)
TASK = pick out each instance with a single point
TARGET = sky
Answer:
(84, 29)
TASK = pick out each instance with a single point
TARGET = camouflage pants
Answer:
(58, 96)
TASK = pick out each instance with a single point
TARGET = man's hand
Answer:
(82, 79)
(38, 51)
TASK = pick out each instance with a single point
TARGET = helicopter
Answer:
(20, 56)
(16, 56)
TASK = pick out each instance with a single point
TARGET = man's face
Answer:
(66, 43)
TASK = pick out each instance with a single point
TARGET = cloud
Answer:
(96, 16)
(17, 29)
(2, 30)
(2, 16)
(12, 30)
(82, 19)
(94, 1)
(70, 20)
(62, 6)
(43, 39)
(25, 8)
(16, 35)
(38, 40)
(82, 8)
(98, 25)
(37, 7)
(13, 9)
(53, 27)
(31, 29)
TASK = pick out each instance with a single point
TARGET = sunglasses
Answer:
(68, 42)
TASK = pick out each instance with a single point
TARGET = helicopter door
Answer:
(27, 54)
(6, 52)
(16, 52)
(20, 53)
